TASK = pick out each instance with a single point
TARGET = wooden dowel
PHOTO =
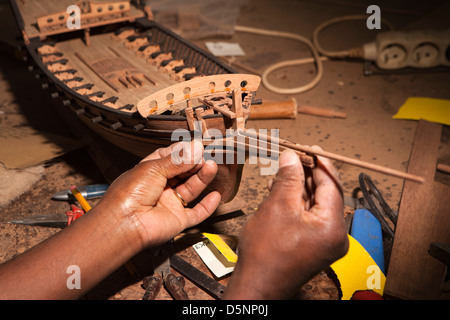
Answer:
(321, 112)
(443, 167)
(307, 160)
(288, 109)
(326, 154)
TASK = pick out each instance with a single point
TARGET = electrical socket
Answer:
(393, 55)
(417, 49)
(426, 54)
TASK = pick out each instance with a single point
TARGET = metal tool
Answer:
(88, 192)
(162, 275)
(52, 220)
(203, 281)
(367, 185)
(49, 220)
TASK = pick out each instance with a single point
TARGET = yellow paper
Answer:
(357, 271)
(434, 110)
(223, 248)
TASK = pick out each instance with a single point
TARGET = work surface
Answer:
(367, 133)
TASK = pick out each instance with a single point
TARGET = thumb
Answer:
(290, 179)
(184, 156)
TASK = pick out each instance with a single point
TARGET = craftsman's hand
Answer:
(144, 198)
(295, 233)
(138, 210)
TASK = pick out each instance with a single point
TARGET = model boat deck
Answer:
(112, 68)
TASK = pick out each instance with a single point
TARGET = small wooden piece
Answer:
(158, 57)
(124, 34)
(443, 167)
(422, 219)
(168, 67)
(288, 109)
(236, 107)
(147, 50)
(321, 112)
(87, 37)
(136, 43)
(190, 118)
(179, 76)
(220, 106)
(199, 112)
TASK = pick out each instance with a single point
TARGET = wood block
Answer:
(423, 218)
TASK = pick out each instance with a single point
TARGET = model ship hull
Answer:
(102, 73)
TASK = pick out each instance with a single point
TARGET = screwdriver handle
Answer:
(286, 109)
(175, 287)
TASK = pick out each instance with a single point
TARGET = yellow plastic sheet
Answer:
(430, 109)
(357, 271)
(223, 248)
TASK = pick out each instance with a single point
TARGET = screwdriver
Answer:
(88, 192)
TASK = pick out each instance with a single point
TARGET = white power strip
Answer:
(391, 50)
(417, 49)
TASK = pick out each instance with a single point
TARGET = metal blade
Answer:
(50, 220)
(203, 281)
(161, 263)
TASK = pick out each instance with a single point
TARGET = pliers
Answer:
(162, 275)
(372, 194)
(52, 220)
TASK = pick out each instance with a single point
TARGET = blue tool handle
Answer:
(93, 191)
(366, 229)
(88, 192)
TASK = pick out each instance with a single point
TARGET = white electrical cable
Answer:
(316, 58)
(314, 47)
(339, 54)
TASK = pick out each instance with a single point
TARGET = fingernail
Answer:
(289, 158)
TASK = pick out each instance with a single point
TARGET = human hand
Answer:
(296, 232)
(143, 199)
(138, 210)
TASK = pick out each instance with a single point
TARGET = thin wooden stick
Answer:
(443, 167)
(355, 162)
(307, 160)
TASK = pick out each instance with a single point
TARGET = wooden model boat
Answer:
(134, 82)
(131, 80)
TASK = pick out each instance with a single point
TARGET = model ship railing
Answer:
(166, 99)
(91, 14)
